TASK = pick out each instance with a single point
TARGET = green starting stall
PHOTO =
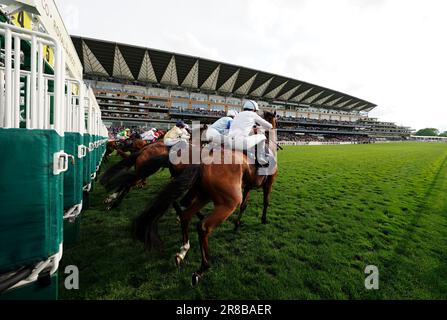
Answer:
(85, 139)
(52, 141)
(32, 164)
(94, 140)
(74, 146)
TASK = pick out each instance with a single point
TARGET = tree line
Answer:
(431, 132)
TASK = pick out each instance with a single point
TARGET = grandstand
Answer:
(142, 87)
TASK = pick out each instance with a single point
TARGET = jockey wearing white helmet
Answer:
(220, 128)
(251, 106)
(242, 127)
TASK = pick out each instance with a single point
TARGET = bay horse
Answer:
(226, 185)
(120, 179)
(122, 147)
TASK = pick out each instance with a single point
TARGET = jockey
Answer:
(123, 135)
(221, 127)
(150, 135)
(243, 125)
(177, 134)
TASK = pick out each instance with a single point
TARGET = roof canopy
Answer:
(126, 62)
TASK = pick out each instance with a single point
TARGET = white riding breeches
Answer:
(170, 142)
(212, 135)
(247, 143)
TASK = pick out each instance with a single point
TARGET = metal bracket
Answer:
(60, 162)
(82, 151)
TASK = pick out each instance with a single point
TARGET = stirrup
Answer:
(260, 165)
(263, 165)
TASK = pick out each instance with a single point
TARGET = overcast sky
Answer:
(389, 52)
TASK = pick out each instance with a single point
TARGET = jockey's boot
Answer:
(261, 156)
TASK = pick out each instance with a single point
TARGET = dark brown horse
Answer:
(226, 185)
(120, 179)
(124, 146)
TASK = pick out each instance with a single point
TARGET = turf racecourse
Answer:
(334, 210)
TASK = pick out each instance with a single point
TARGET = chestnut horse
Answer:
(120, 179)
(226, 185)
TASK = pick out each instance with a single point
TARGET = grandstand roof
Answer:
(125, 62)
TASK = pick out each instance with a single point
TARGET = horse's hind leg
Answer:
(204, 229)
(246, 197)
(185, 219)
(119, 196)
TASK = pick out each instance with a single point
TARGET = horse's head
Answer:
(135, 136)
(270, 116)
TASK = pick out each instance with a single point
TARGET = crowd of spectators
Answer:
(321, 121)
(307, 138)
(114, 130)
(201, 112)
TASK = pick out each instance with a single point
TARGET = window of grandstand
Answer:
(279, 113)
(134, 89)
(217, 99)
(199, 97)
(234, 101)
(156, 92)
(217, 108)
(200, 106)
(179, 105)
(180, 94)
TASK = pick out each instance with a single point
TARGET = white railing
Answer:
(38, 97)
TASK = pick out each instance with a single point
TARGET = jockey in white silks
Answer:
(219, 129)
(242, 127)
(177, 134)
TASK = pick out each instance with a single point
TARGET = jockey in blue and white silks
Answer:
(220, 128)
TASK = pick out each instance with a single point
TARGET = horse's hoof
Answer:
(264, 221)
(178, 221)
(195, 279)
(109, 208)
(178, 260)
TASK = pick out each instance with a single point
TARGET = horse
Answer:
(226, 185)
(120, 179)
(132, 144)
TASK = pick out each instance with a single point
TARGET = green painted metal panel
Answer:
(35, 291)
(31, 197)
(73, 181)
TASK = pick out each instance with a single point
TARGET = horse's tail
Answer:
(146, 224)
(116, 168)
(127, 178)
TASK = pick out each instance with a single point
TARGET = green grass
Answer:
(334, 210)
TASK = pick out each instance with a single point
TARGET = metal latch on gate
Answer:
(60, 162)
(82, 151)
